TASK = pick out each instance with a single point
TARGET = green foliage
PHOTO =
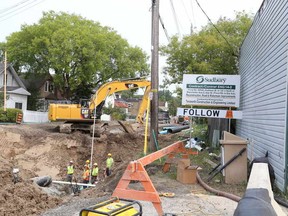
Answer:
(199, 130)
(83, 91)
(10, 115)
(206, 52)
(173, 101)
(129, 94)
(116, 113)
(77, 50)
(33, 99)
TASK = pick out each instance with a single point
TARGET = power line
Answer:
(175, 17)
(18, 12)
(11, 7)
(216, 28)
(193, 14)
(165, 30)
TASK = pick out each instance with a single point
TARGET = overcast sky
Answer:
(130, 18)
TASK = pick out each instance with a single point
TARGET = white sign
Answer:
(211, 90)
(209, 113)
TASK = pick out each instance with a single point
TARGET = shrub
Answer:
(116, 113)
(10, 115)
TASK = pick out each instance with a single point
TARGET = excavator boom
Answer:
(116, 86)
(81, 116)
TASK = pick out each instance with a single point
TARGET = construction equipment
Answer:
(113, 207)
(81, 116)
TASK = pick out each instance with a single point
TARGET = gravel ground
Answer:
(189, 199)
(188, 204)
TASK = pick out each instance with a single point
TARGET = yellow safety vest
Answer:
(109, 162)
(70, 170)
(95, 171)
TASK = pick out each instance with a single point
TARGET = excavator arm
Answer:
(143, 105)
(122, 85)
(81, 115)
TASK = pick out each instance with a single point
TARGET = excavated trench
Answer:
(40, 150)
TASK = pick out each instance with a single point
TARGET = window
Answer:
(46, 87)
(51, 88)
(18, 105)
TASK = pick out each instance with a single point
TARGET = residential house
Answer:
(16, 92)
(133, 107)
(263, 68)
(43, 86)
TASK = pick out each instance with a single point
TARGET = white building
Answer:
(16, 93)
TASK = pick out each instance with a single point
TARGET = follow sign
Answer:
(209, 113)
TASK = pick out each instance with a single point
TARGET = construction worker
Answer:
(86, 175)
(70, 171)
(94, 173)
(87, 163)
(109, 164)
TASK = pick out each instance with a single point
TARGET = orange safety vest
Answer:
(86, 175)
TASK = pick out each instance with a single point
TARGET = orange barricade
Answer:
(19, 118)
(135, 171)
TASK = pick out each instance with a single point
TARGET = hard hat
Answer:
(95, 164)
(86, 166)
(71, 161)
(109, 154)
(87, 161)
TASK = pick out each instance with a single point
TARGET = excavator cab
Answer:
(84, 108)
(113, 207)
(84, 103)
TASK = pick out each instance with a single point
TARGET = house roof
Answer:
(37, 80)
(15, 90)
(132, 99)
(121, 104)
(13, 72)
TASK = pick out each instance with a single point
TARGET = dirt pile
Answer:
(39, 150)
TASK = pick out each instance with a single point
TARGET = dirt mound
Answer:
(39, 150)
(24, 198)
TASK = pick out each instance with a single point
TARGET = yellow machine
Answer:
(81, 116)
(113, 207)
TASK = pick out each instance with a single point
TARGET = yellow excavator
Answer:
(81, 116)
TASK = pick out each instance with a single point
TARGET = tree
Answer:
(207, 52)
(77, 50)
(33, 99)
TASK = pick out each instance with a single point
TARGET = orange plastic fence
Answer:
(135, 171)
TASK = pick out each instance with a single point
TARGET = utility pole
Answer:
(5, 79)
(154, 75)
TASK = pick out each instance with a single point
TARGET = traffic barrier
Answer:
(19, 118)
